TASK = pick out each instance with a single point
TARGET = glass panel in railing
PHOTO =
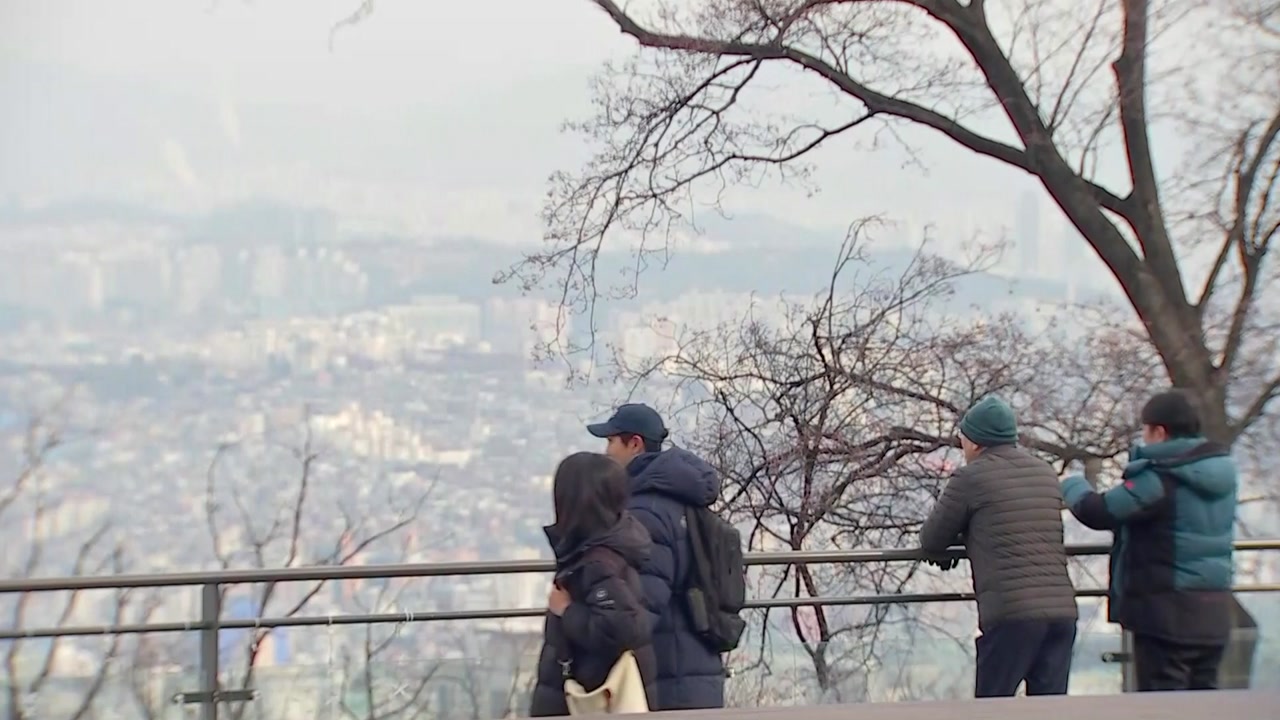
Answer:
(93, 672)
(394, 671)
(1264, 607)
(1094, 670)
(869, 654)
(389, 671)
(894, 654)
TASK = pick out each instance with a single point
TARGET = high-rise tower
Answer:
(1026, 234)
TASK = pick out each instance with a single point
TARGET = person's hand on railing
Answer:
(935, 490)
(942, 562)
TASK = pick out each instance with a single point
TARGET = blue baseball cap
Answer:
(632, 419)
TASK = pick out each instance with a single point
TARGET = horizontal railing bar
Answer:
(507, 614)
(487, 567)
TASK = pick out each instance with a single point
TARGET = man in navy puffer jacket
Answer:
(663, 483)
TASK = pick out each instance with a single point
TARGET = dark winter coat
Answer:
(1173, 519)
(1006, 509)
(690, 675)
(605, 617)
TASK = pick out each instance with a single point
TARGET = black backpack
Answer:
(717, 585)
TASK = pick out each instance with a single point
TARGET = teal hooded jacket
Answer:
(1173, 523)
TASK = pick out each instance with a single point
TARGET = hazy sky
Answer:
(434, 117)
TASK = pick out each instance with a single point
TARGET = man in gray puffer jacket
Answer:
(1005, 507)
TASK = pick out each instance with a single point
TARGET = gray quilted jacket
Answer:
(1005, 507)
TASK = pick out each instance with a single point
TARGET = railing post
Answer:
(210, 619)
(1128, 667)
(210, 694)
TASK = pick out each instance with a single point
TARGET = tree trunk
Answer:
(1175, 331)
(1152, 281)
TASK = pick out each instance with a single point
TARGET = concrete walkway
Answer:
(1221, 705)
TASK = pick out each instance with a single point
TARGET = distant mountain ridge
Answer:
(772, 257)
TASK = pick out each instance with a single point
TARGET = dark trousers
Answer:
(1160, 665)
(1035, 651)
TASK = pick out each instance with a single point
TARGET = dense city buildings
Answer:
(191, 365)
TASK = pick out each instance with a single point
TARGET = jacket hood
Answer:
(676, 473)
(627, 537)
(1205, 467)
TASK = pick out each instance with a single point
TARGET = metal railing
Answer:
(210, 694)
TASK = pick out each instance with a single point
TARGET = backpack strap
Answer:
(698, 559)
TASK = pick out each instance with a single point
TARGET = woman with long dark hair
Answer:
(595, 609)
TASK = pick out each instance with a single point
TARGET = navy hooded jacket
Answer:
(690, 675)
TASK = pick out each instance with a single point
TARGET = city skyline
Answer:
(284, 286)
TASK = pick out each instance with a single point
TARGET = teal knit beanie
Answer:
(990, 422)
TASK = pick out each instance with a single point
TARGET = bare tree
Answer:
(677, 123)
(301, 529)
(253, 520)
(835, 426)
(33, 515)
(278, 500)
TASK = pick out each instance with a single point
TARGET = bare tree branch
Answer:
(835, 425)
(29, 505)
(673, 127)
(293, 528)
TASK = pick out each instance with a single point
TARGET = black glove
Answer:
(943, 562)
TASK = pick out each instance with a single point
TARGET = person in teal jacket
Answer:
(1173, 523)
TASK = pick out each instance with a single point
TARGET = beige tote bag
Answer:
(621, 693)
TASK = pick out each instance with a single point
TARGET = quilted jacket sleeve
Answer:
(658, 576)
(949, 519)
